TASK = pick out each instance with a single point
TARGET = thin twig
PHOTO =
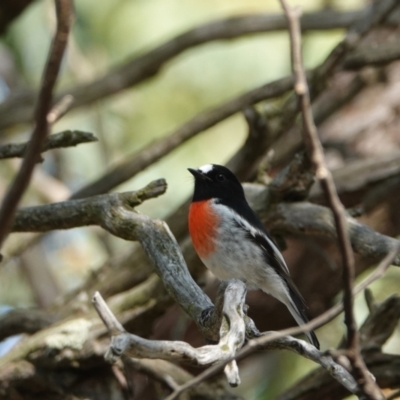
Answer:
(64, 11)
(107, 316)
(316, 154)
(60, 109)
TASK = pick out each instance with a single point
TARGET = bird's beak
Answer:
(196, 173)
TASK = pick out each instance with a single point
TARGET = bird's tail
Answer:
(296, 306)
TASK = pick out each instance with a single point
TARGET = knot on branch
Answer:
(293, 183)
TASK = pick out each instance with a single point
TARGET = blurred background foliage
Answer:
(106, 33)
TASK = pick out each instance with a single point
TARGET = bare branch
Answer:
(106, 315)
(268, 339)
(91, 211)
(381, 55)
(316, 154)
(232, 335)
(372, 16)
(311, 219)
(134, 163)
(62, 139)
(18, 109)
(374, 332)
(380, 324)
(64, 12)
(319, 77)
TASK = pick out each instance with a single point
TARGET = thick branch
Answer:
(288, 218)
(380, 55)
(74, 213)
(58, 140)
(311, 219)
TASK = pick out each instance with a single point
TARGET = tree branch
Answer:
(64, 16)
(18, 109)
(374, 332)
(232, 336)
(96, 210)
(232, 333)
(318, 78)
(62, 139)
(134, 163)
(267, 340)
(316, 154)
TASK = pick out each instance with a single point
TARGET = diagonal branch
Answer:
(64, 13)
(316, 154)
(134, 163)
(136, 70)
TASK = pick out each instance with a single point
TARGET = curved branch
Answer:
(232, 333)
(232, 336)
(289, 218)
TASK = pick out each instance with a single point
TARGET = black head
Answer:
(216, 181)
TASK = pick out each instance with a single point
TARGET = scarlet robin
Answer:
(233, 243)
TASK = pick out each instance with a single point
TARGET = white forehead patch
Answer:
(205, 169)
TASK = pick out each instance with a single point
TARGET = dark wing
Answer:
(257, 233)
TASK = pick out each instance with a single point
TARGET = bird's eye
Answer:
(221, 177)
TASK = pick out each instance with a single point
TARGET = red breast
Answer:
(203, 223)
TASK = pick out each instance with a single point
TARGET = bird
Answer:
(233, 243)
